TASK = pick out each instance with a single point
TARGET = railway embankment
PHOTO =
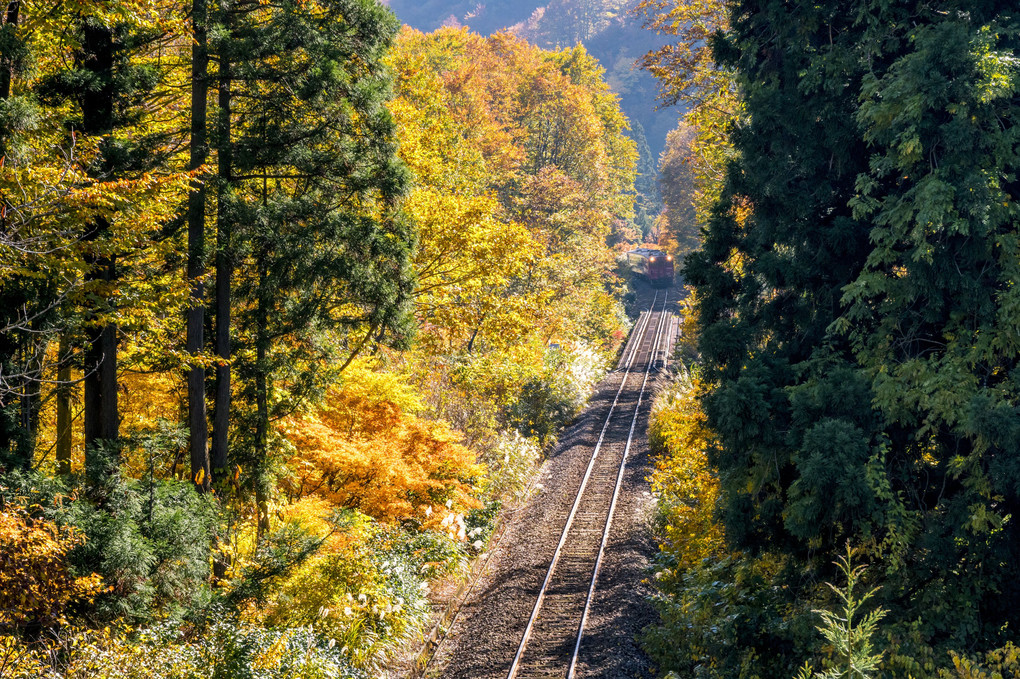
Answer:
(562, 592)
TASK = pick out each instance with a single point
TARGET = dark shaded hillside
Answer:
(618, 48)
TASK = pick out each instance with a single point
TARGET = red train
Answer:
(655, 266)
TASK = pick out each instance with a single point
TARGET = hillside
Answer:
(606, 28)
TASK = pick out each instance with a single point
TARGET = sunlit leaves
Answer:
(363, 450)
(686, 484)
(689, 76)
(36, 581)
(522, 166)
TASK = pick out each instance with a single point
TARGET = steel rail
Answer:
(619, 481)
(629, 350)
(634, 341)
(515, 665)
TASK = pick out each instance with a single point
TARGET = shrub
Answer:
(510, 461)
(849, 632)
(1001, 663)
(685, 485)
(226, 649)
(721, 616)
(725, 619)
(576, 371)
(36, 582)
(149, 540)
(365, 588)
(447, 396)
(551, 399)
(364, 450)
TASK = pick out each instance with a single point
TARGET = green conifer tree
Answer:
(859, 326)
(320, 248)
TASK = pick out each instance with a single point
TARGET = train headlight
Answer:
(651, 259)
(669, 258)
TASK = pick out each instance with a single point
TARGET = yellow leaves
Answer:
(388, 474)
(685, 483)
(366, 391)
(269, 658)
(36, 585)
(468, 258)
(465, 241)
(689, 76)
(522, 165)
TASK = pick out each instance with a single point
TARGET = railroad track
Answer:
(552, 641)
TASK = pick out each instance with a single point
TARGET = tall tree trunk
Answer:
(64, 407)
(262, 393)
(10, 300)
(30, 396)
(102, 420)
(224, 269)
(10, 21)
(108, 373)
(198, 425)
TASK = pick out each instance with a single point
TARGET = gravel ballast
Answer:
(485, 635)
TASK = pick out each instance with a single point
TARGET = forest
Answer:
(293, 300)
(609, 29)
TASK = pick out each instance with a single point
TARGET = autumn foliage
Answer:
(523, 163)
(211, 382)
(692, 168)
(36, 582)
(684, 481)
(362, 450)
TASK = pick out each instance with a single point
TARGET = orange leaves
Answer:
(522, 165)
(395, 473)
(36, 585)
(362, 450)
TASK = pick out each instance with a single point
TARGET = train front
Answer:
(660, 270)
